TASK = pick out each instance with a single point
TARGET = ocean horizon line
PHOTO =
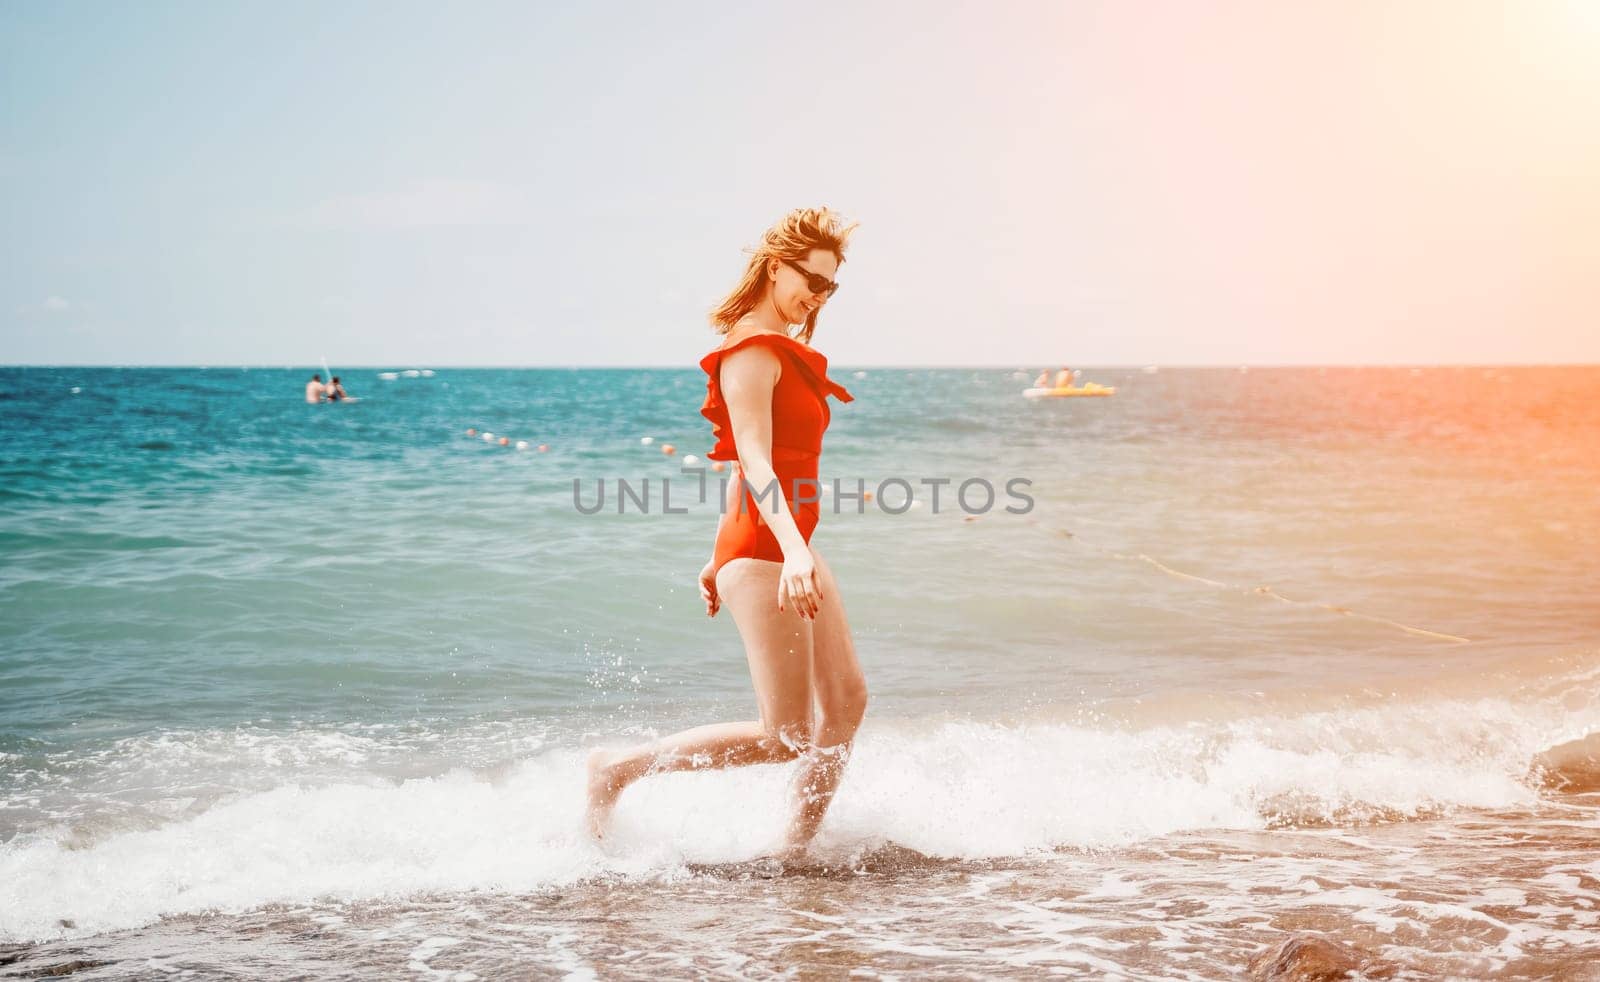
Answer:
(1006, 366)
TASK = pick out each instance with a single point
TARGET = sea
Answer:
(1158, 680)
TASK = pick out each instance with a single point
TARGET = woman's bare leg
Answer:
(778, 649)
(840, 691)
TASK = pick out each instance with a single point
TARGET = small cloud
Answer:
(51, 305)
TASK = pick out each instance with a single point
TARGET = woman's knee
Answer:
(842, 710)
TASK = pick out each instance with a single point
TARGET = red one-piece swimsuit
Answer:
(800, 414)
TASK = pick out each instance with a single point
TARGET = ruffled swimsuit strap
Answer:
(814, 367)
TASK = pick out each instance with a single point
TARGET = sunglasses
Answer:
(815, 282)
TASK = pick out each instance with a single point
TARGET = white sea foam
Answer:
(328, 829)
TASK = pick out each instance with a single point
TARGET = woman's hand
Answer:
(708, 588)
(797, 584)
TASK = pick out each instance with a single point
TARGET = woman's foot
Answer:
(603, 790)
(780, 862)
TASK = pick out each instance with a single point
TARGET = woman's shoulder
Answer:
(812, 362)
(747, 330)
(742, 338)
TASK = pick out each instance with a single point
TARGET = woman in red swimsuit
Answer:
(767, 399)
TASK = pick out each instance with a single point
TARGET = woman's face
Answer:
(791, 293)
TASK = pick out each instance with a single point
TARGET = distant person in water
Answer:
(1064, 378)
(315, 390)
(1043, 381)
(336, 390)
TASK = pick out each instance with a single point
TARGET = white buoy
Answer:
(488, 437)
(522, 444)
(689, 460)
(427, 373)
(647, 440)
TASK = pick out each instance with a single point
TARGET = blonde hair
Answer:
(793, 238)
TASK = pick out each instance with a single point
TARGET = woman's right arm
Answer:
(748, 377)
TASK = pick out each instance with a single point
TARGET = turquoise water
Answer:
(235, 627)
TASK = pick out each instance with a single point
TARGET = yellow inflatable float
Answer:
(1086, 389)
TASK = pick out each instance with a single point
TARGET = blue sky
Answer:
(518, 184)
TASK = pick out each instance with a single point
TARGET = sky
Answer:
(1121, 183)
